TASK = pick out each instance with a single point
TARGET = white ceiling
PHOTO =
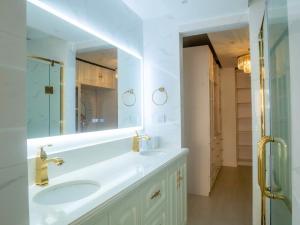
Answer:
(230, 44)
(185, 10)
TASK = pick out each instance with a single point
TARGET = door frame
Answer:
(253, 21)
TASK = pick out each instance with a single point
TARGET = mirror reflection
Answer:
(77, 82)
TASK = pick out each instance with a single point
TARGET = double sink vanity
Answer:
(146, 188)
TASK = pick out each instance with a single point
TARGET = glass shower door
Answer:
(37, 102)
(44, 105)
(278, 167)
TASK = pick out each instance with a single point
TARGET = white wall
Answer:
(256, 12)
(228, 107)
(294, 37)
(162, 69)
(129, 78)
(13, 164)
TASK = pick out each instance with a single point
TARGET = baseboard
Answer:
(245, 163)
(230, 164)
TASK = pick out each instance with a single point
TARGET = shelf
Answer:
(244, 103)
(243, 88)
(245, 145)
(245, 117)
(244, 120)
(245, 131)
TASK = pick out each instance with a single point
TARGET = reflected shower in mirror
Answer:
(76, 81)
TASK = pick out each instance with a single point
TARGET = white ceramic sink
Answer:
(66, 192)
(152, 153)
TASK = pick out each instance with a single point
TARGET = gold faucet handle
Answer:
(146, 137)
(42, 153)
(58, 161)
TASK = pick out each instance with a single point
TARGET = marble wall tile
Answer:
(13, 149)
(13, 18)
(162, 69)
(13, 169)
(12, 97)
(13, 195)
(12, 51)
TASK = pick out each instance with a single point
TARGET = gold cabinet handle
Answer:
(179, 179)
(266, 191)
(155, 195)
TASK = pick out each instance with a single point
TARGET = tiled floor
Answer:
(230, 202)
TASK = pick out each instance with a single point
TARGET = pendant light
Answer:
(244, 63)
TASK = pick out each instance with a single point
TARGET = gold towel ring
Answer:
(129, 92)
(160, 90)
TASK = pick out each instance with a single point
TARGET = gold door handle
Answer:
(266, 191)
(155, 195)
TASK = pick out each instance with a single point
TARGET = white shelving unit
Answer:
(202, 118)
(243, 119)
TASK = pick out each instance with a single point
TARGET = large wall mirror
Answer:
(75, 81)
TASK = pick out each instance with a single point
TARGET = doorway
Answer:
(218, 126)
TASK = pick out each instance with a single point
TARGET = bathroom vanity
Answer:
(129, 189)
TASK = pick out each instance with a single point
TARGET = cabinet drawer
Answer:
(126, 211)
(154, 194)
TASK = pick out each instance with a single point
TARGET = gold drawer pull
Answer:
(155, 195)
(179, 179)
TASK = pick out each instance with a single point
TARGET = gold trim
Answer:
(262, 84)
(262, 111)
(50, 61)
(62, 109)
(266, 191)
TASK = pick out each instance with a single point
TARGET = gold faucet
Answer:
(41, 176)
(136, 141)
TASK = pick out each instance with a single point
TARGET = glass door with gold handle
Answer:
(274, 160)
(265, 189)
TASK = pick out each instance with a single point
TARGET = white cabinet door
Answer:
(182, 194)
(126, 212)
(173, 199)
(177, 194)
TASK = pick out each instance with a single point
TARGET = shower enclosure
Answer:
(44, 97)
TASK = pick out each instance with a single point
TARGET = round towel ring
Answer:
(128, 93)
(157, 91)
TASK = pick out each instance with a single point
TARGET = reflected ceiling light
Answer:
(244, 63)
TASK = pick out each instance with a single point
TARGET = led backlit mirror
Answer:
(77, 82)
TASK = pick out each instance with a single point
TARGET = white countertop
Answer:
(114, 176)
